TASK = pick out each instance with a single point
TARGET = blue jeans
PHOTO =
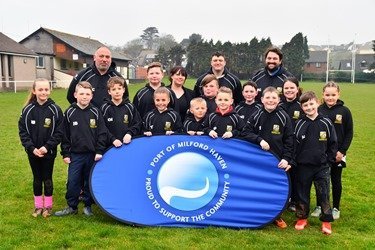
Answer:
(78, 177)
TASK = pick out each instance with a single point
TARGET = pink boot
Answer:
(38, 203)
(48, 201)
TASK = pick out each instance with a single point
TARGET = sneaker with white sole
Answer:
(335, 213)
(317, 211)
(66, 211)
(300, 224)
(326, 228)
(87, 211)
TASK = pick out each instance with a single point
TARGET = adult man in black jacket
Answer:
(273, 74)
(224, 77)
(97, 75)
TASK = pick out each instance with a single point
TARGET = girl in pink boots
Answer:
(40, 130)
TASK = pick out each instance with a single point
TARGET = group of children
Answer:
(291, 127)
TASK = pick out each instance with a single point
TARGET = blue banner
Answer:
(190, 181)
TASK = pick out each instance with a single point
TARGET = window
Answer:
(63, 64)
(317, 65)
(10, 65)
(40, 62)
(363, 64)
(2, 70)
(76, 66)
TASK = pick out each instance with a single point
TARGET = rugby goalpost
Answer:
(352, 70)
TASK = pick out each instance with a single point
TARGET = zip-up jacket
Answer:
(293, 109)
(227, 80)
(245, 110)
(182, 104)
(342, 120)
(221, 123)
(98, 82)
(316, 141)
(263, 78)
(41, 125)
(144, 99)
(191, 124)
(211, 104)
(121, 120)
(85, 131)
(275, 128)
(160, 123)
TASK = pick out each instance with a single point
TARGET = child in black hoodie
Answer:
(41, 130)
(271, 128)
(315, 151)
(193, 124)
(84, 142)
(120, 115)
(162, 120)
(224, 122)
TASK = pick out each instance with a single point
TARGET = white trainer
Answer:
(317, 211)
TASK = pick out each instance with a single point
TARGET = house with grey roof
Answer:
(316, 63)
(61, 55)
(17, 64)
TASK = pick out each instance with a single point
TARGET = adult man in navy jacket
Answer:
(273, 74)
(224, 77)
(97, 75)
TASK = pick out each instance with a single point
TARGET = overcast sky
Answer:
(117, 22)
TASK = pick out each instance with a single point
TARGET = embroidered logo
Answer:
(296, 114)
(275, 129)
(92, 123)
(47, 123)
(280, 90)
(338, 119)
(126, 119)
(110, 119)
(323, 136)
(229, 128)
(167, 126)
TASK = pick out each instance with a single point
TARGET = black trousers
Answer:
(42, 169)
(293, 193)
(305, 177)
(336, 173)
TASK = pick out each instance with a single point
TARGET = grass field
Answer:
(18, 229)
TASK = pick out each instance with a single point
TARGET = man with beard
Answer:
(97, 75)
(273, 74)
(225, 78)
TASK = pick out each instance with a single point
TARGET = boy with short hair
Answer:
(224, 122)
(144, 98)
(316, 147)
(162, 120)
(84, 142)
(193, 124)
(210, 88)
(120, 115)
(271, 128)
(249, 106)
